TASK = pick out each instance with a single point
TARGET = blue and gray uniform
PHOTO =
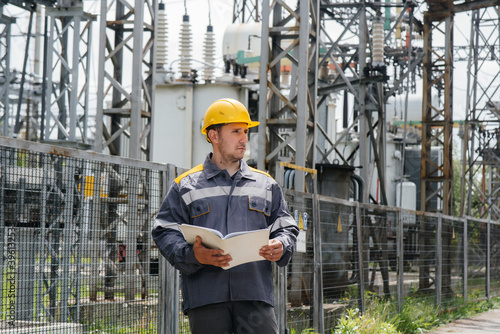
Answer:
(209, 197)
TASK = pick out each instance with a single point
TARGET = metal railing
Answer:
(77, 255)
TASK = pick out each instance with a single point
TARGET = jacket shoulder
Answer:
(193, 170)
(255, 170)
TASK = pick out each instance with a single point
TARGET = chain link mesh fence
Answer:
(77, 252)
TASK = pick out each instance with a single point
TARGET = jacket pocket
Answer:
(199, 208)
(259, 204)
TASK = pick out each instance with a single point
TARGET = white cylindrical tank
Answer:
(408, 200)
(179, 111)
(241, 37)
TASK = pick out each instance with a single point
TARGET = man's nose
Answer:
(244, 138)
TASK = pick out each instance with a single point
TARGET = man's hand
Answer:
(214, 257)
(273, 251)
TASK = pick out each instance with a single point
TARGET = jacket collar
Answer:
(212, 170)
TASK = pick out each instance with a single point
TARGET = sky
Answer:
(221, 12)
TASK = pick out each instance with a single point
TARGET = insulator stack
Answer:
(378, 42)
(161, 50)
(209, 55)
(186, 47)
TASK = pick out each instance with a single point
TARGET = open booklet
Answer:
(242, 246)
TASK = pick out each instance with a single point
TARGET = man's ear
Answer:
(213, 135)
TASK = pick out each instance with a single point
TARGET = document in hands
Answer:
(242, 246)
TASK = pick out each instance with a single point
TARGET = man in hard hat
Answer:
(225, 194)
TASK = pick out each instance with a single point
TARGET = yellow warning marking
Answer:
(303, 169)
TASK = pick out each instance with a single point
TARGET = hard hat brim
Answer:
(250, 124)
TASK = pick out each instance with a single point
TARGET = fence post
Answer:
(466, 260)
(169, 278)
(281, 299)
(400, 261)
(281, 283)
(318, 314)
(488, 257)
(97, 233)
(3, 165)
(132, 280)
(439, 260)
(361, 282)
(67, 233)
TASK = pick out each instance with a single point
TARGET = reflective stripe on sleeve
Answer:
(281, 222)
(165, 224)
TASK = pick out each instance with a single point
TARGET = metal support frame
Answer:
(5, 51)
(288, 122)
(67, 73)
(368, 88)
(125, 106)
(246, 11)
(437, 116)
(294, 126)
(481, 153)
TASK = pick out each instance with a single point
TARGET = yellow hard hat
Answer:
(225, 111)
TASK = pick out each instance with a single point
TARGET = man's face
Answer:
(232, 141)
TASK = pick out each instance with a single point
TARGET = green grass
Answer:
(418, 315)
(116, 329)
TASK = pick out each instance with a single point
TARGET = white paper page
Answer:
(245, 248)
(209, 236)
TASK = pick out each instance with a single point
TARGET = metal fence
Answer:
(372, 253)
(77, 255)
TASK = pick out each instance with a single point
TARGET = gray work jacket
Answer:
(207, 196)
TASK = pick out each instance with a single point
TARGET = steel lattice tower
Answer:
(127, 67)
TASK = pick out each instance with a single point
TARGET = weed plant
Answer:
(418, 315)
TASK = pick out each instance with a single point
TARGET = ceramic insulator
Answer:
(161, 49)
(378, 43)
(209, 55)
(186, 47)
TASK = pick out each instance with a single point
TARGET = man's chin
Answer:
(239, 156)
